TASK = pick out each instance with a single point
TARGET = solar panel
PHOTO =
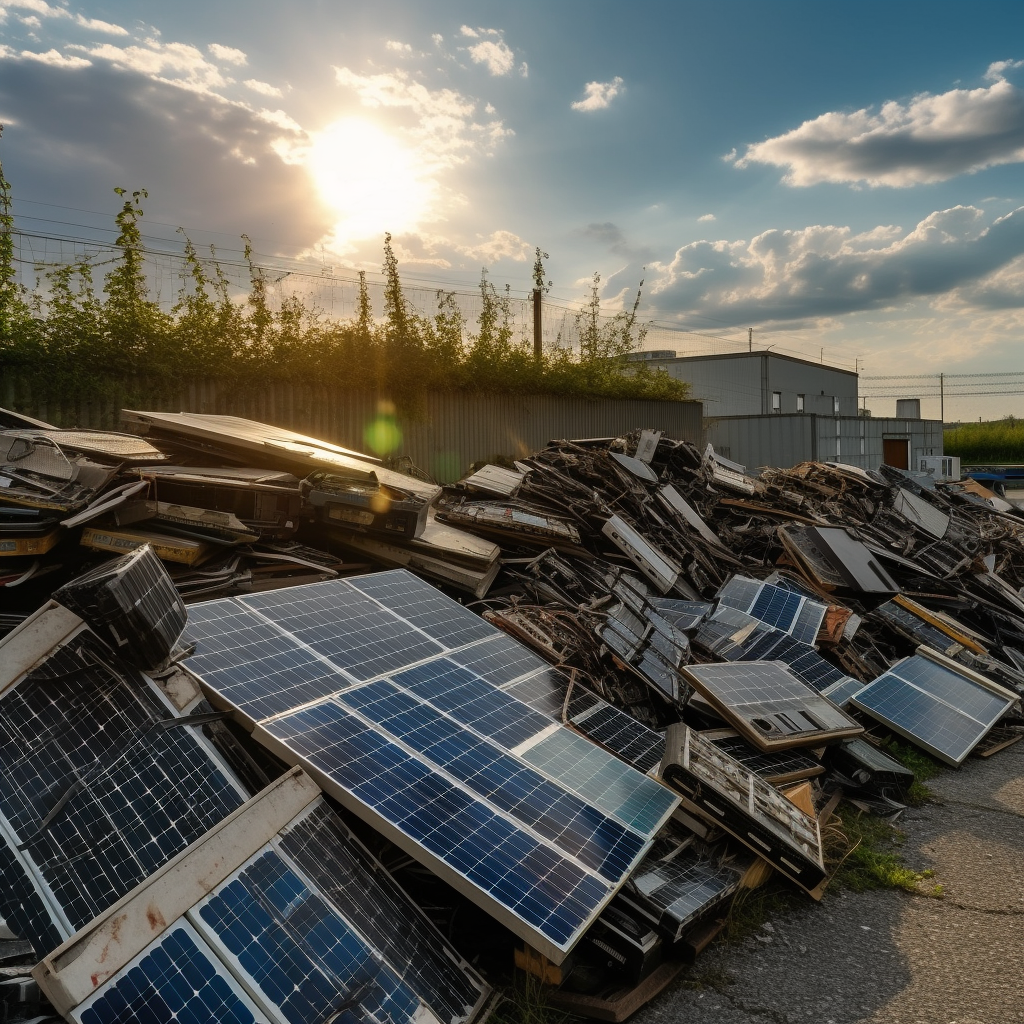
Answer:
(95, 792)
(279, 915)
(674, 893)
(936, 704)
(631, 741)
(394, 709)
(176, 978)
(721, 790)
(770, 706)
(775, 766)
(778, 606)
(684, 615)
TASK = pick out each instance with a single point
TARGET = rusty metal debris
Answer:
(604, 616)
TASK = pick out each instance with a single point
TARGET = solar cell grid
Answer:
(579, 829)
(776, 607)
(347, 627)
(473, 701)
(595, 776)
(808, 621)
(499, 659)
(969, 698)
(175, 980)
(680, 890)
(542, 887)
(295, 948)
(325, 852)
(445, 620)
(81, 739)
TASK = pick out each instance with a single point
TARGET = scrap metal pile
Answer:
(287, 735)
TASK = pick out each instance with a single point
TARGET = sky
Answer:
(843, 178)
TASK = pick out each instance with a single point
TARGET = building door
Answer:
(896, 452)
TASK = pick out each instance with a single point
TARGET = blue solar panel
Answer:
(425, 607)
(176, 980)
(499, 660)
(933, 705)
(776, 607)
(547, 889)
(298, 952)
(373, 640)
(427, 741)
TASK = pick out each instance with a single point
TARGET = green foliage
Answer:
(68, 342)
(985, 443)
(872, 859)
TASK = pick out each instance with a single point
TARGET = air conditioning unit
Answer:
(942, 467)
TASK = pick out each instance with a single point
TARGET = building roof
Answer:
(751, 355)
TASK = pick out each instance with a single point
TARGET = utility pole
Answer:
(750, 339)
(538, 324)
(942, 398)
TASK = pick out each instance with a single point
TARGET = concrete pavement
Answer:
(890, 957)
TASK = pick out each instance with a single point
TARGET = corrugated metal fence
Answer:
(443, 436)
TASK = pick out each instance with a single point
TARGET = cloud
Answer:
(397, 47)
(931, 138)
(824, 270)
(500, 245)
(492, 50)
(598, 95)
(443, 127)
(228, 54)
(178, 64)
(706, 218)
(95, 25)
(206, 162)
(263, 88)
(56, 59)
(997, 69)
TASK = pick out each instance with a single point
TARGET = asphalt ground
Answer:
(891, 957)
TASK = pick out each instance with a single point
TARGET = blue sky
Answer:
(834, 175)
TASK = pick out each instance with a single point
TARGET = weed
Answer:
(711, 978)
(752, 907)
(865, 851)
(923, 767)
(523, 1002)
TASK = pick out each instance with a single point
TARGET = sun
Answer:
(372, 181)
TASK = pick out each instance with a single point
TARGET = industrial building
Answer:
(769, 409)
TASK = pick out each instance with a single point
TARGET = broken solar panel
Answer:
(96, 791)
(676, 891)
(935, 703)
(130, 602)
(779, 607)
(364, 683)
(721, 790)
(770, 706)
(776, 766)
(921, 513)
(280, 915)
(757, 642)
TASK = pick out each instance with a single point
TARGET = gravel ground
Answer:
(890, 957)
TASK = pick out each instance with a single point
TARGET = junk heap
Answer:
(289, 735)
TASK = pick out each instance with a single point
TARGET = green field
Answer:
(996, 441)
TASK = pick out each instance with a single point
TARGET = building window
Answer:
(799, 403)
(776, 401)
(835, 406)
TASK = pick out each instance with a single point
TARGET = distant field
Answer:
(995, 441)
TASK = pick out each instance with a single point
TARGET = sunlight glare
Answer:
(373, 182)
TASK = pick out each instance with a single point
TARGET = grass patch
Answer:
(866, 853)
(752, 907)
(921, 764)
(523, 1002)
